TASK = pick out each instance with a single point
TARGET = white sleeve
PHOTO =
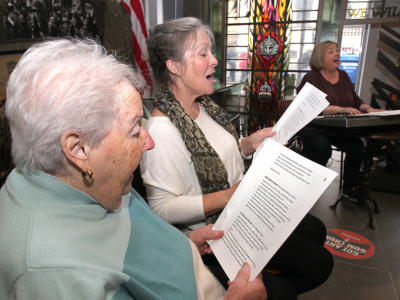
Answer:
(173, 190)
(208, 287)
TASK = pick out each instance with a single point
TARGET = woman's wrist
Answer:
(246, 146)
(215, 202)
(365, 109)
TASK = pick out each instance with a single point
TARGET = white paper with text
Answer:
(273, 197)
(308, 104)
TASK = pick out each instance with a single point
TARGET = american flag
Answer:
(135, 9)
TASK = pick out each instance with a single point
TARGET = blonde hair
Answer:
(318, 54)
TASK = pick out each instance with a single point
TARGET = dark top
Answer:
(115, 28)
(341, 93)
(3, 10)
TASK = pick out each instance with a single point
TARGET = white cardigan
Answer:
(173, 190)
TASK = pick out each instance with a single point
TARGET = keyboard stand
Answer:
(363, 195)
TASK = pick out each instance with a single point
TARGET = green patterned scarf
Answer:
(209, 168)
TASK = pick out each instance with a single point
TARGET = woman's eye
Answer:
(136, 130)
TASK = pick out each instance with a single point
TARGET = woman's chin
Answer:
(209, 91)
(126, 190)
(128, 186)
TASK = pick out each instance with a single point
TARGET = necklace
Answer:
(195, 114)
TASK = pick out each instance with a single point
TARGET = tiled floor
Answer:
(373, 278)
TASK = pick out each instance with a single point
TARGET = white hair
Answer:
(58, 86)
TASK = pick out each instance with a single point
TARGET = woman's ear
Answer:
(173, 67)
(75, 149)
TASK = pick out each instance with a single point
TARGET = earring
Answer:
(87, 175)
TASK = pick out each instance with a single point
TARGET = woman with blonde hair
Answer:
(326, 76)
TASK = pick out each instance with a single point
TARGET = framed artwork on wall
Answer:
(35, 20)
(7, 64)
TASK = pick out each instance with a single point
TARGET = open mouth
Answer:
(211, 78)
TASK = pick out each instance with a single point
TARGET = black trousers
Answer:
(303, 261)
(319, 150)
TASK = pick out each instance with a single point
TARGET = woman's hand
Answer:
(242, 288)
(370, 110)
(349, 110)
(338, 110)
(200, 236)
(251, 143)
(365, 108)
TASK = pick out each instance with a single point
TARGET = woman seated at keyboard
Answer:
(326, 76)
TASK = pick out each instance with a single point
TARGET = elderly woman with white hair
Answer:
(71, 227)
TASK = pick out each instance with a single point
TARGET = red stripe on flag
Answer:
(136, 7)
(140, 62)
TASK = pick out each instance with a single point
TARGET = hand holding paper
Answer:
(273, 197)
(276, 193)
(308, 104)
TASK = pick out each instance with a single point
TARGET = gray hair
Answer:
(58, 86)
(170, 40)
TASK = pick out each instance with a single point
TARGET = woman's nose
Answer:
(148, 141)
(214, 61)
